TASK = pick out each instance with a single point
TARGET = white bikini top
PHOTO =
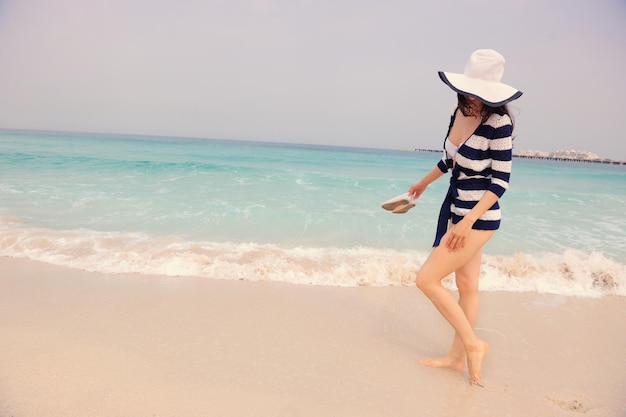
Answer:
(451, 148)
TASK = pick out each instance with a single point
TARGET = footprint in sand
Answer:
(578, 404)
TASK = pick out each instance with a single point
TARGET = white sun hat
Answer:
(481, 79)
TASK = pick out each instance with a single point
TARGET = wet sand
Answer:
(75, 343)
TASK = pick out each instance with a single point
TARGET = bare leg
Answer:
(467, 284)
(439, 264)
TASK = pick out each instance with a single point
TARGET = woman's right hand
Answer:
(416, 190)
(419, 187)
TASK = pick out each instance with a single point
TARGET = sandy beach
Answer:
(75, 343)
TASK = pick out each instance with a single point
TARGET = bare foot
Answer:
(445, 362)
(475, 355)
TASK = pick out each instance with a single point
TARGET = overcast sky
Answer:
(342, 72)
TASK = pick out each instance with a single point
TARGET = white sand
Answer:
(74, 343)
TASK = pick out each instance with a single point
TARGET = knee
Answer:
(467, 285)
(421, 283)
(466, 292)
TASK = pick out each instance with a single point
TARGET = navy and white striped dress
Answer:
(482, 163)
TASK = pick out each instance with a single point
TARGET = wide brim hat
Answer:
(481, 79)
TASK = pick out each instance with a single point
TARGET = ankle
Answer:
(475, 345)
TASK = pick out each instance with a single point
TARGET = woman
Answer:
(477, 151)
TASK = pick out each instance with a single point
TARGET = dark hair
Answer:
(466, 109)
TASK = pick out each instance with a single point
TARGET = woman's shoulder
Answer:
(497, 126)
(498, 119)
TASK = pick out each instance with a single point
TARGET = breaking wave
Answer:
(571, 273)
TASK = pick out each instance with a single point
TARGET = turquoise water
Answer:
(297, 213)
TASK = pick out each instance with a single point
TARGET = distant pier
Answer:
(588, 161)
(549, 158)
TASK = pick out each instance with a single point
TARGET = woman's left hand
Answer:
(454, 239)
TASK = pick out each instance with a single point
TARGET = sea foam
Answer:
(571, 273)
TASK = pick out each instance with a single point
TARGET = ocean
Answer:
(302, 214)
